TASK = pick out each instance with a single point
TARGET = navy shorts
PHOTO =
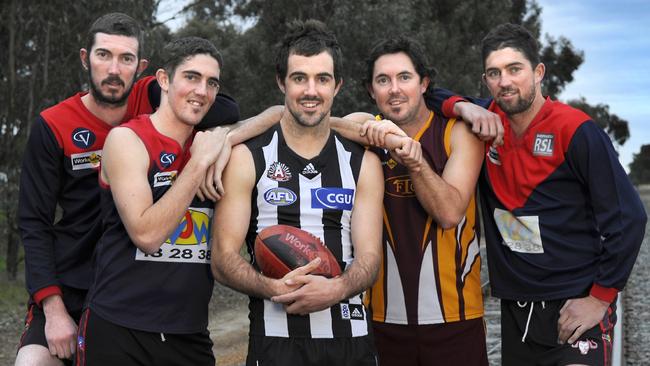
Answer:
(101, 342)
(455, 343)
(540, 346)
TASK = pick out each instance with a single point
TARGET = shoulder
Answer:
(348, 144)
(265, 139)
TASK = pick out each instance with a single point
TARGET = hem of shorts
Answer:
(549, 296)
(113, 320)
(429, 321)
(307, 337)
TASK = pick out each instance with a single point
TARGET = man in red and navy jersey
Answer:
(563, 223)
(60, 167)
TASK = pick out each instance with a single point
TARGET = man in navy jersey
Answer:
(60, 169)
(148, 302)
(563, 223)
(304, 319)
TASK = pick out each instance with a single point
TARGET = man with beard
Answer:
(60, 169)
(563, 223)
(334, 190)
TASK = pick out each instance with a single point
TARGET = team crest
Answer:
(83, 138)
(493, 155)
(279, 172)
(585, 346)
(391, 163)
(167, 159)
(543, 145)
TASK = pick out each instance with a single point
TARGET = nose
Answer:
(114, 67)
(504, 80)
(394, 87)
(311, 87)
(201, 88)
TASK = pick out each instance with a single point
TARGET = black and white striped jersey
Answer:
(316, 195)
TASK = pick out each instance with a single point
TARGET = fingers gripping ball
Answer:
(279, 249)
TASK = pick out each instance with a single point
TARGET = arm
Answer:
(317, 292)
(620, 218)
(446, 197)
(39, 187)
(124, 167)
(231, 220)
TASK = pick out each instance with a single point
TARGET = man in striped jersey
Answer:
(304, 319)
(426, 305)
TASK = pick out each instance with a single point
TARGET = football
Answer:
(279, 249)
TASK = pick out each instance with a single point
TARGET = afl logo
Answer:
(167, 159)
(332, 198)
(83, 138)
(280, 196)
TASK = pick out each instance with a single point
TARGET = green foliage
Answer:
(640, 166)
(616, 127)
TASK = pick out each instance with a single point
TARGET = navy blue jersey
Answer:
(60, 166)
(167, 291)
(561, 217)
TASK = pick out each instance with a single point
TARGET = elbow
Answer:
(450, 220)
(149, 244)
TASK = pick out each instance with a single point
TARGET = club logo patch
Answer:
(543, 145)
(83, 138)
(280, 196)
(167, 159)
(279, 172)
(161, 179)
(332, 198)
(86, 160)
(493, 155)
(585, 346)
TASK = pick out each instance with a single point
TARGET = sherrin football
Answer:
(279, 249)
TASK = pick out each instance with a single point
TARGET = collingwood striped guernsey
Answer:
(316, 195)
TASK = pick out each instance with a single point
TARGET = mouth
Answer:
(509, 93)
(396, 102)
(196, 103)
(309, 104)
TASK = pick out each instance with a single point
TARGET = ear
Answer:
(83, 56)
(163, 79)
(370, 91)
(424, 84)
(338, 87)
(280, 84)
(484, 79)
(540, 70)
(142, 65)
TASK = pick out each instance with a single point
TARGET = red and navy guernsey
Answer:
(562, 219)
(164, 292)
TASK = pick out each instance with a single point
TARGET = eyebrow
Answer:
(321, 74)
(516, 63)
(109, 51)
(405, 72)
(196, 73)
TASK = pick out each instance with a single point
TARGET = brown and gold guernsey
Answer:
(428, 275)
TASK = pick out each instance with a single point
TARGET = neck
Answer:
(519, 122)
(307, 142)
(415, 125)
(110, 114)
(166, 122)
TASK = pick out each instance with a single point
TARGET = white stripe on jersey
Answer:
(270, 155)
(275, 324)
(395, 304)
(428, 306)
(472, 252)
(359, 327)
(347, 178)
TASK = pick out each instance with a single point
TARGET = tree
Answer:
(40, 67)
(640, 166)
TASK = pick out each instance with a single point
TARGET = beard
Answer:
(111, 100)
(522, 103)
(302, 120)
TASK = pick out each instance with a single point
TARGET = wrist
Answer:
(53, 305)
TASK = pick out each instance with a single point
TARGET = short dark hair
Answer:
(178, 50)
(514, 36)
(308, 38)
(116, 24)
(412, 48)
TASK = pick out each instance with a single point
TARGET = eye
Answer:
(298, 79)
(514, 69)
(493, 74)
(101, 54)
(323, 79)
(190, 76)
(405, 77)
(128, 59)
(382, 80)
(213, 84)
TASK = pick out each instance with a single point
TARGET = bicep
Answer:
(367, 214)
(464, 164)
(233, 211)
(125, 162)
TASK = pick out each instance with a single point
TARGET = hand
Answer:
(208, 144)
(409, 154)
(60, 328)
(212, 186)
(485, 124)
(579, 315)
(313, 293)
(285, 284)
(376, 131)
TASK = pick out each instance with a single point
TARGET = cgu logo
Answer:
(400, 186)
(332, 198)
(167, 159)
(83, 138)
(194, 229)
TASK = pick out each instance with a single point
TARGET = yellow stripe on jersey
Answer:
(447, 139)
(424, 127)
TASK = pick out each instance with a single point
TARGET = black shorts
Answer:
(540, 346)
(34, 332)
(279, 351)
(455, 343)
(101, 342)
